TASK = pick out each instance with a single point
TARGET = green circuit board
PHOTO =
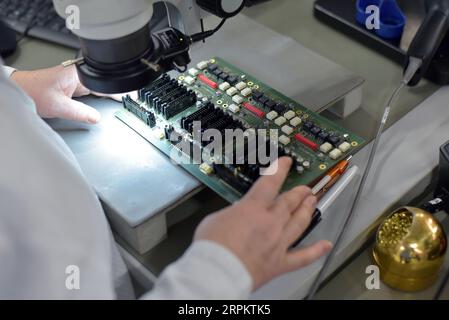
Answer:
(315, 143)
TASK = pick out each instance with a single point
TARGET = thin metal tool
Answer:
(153, 66)
(71, 62)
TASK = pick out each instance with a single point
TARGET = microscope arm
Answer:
(121, 53)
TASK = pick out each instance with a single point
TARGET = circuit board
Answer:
(220, 96)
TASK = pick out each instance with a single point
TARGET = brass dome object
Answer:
(410, 249)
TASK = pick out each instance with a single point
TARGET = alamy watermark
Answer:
(72, 281)
(73, 19)
(231, 146)
(372, 282)
(373, 17)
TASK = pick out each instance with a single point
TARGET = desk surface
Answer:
(292, 18)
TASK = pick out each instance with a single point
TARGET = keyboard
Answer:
(41, 19)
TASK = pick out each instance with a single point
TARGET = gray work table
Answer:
(292, 18)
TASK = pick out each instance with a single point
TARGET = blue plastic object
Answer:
(392, 19)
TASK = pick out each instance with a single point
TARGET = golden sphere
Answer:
(409, 250)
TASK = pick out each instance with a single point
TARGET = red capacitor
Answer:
(312, 145)
(208, 81)
(248, 106)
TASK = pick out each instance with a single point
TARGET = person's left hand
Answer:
(52, 91)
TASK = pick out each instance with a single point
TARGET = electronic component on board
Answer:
(240, 86)
(189, 80)
(143, 114)
(263, 100)
(233, 108)
(272, 115)
(202, 65)
(344, 147)
(208, 81)
(270, 104)
(206, 169)
(326, 147)
(216, 95)
(287, 130)
(315, 130)
(280, 121)
(295, 122)
(248, 106)
(280, 108)
(193, 72)
(246, 92)
(307, 142)
(231, 91)
(213, 67)
(224, 86)
(335, 154)
(284, 140)
(323, 135)
(167, 97)
(217, 73)
(289, 115)
(233, 80)
(257, 95)
(238, 99)
(223, 76)
(334, 140)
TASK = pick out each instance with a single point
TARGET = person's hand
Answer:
(52, 91)
(261, 228)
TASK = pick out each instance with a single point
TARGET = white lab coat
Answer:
(51, 219)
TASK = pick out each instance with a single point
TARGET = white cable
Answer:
(413, 67)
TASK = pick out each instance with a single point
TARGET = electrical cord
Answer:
(413, 67)
(201, 36)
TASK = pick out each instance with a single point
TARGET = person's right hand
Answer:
(261, 227)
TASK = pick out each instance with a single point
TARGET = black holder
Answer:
(8, 43)
(441, 201)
